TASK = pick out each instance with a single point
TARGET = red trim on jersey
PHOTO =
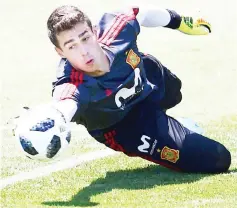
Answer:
(135, 10)
(113, 29)
(119, 23)
(76, 79)
(108, 92)
(149, 158)
(110, 141)
(161, 163)
(108, 30)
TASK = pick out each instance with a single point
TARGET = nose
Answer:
(83, 50)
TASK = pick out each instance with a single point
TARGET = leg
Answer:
(152, 135)
(197, 153)
(180, 149)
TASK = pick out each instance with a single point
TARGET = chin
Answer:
(84, 69)
(90, 70)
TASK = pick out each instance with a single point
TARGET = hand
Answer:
(197, 27)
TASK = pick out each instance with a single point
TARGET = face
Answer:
(81, 48)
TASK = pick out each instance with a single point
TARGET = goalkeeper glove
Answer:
(199, 27)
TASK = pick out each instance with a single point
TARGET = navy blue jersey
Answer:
(103, 101)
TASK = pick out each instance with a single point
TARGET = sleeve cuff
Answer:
(175, 20)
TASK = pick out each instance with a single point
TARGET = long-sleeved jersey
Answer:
(105, 100)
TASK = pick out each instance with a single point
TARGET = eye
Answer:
(85, 39)
(72, 47)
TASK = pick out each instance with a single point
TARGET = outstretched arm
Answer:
(155, 17)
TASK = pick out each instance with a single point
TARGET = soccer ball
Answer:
(42, 132)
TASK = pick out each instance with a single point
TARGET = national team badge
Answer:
(169, 154)
(133, 59)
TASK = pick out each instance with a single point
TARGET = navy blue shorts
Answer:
(148, 133)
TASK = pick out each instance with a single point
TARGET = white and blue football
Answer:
(42, 132)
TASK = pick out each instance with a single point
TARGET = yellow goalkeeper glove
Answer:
(199, 27)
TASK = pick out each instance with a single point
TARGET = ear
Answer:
(95, 30)
(60, 52)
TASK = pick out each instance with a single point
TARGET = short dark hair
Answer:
(64, 18)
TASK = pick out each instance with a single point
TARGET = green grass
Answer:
(120, 181)
(207, 68)
(13, 161)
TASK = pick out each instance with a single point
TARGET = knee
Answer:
(224, 160)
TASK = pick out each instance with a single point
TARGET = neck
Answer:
(96, 73)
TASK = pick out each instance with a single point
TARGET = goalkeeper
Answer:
(120, 94)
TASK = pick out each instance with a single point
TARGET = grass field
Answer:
(208, 69)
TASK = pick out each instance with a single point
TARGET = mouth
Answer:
(91, 61)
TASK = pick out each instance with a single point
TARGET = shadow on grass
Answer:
(143, 178)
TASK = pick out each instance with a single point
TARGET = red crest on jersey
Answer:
(169, 154)
(133, 59)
